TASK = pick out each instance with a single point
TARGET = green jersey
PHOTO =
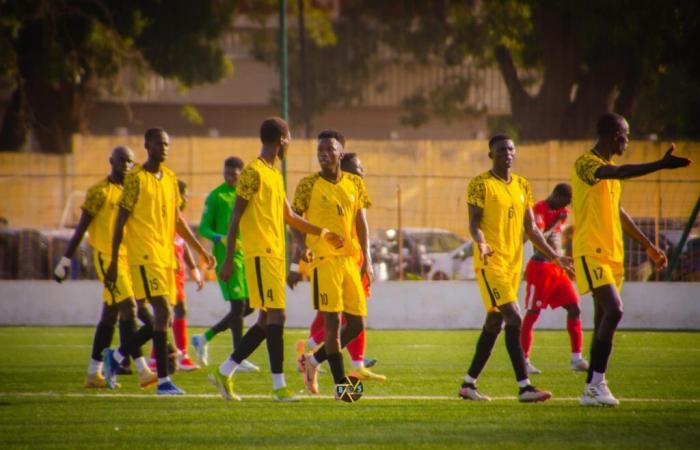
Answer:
(216, 217)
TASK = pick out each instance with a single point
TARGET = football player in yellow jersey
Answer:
(337, 200)
(97, 218)
(500, 208)
(597, 244)
(260, 212)
(149, 216)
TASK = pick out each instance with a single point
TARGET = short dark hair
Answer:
(152, 132)
(563, 189)
(346, 162)
(272, 129)
(234, 162)
(332, 134)
(497, 138)
(608, 124)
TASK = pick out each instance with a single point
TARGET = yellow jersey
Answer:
(150, 230)
(596, 205)
(504, 205)
(262, 222)
(102, 204)
(333, 206)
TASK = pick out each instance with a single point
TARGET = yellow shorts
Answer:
(497, 287)
(265, 278)
(336, 286)
(592, 272)
(153, 281)
(124, 288)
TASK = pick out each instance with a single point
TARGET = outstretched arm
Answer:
(669, 161)
(61, 271)
(631, 229)
(296, 221)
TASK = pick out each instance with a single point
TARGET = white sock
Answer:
(118, 356)
(597, 377)
(94, 367)
(358, 364)
(523, 383)
(310, 344)
(228, 367)
(278, 381)
(163, 380)
(576, 356)
(469, 379)
(141, 364)
(313, 361)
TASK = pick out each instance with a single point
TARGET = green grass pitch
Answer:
(655, 374)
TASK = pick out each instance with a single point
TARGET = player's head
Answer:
(560, 196)
(613, 132)
(351, 163)
(121, 160)
(274, 132)
(330, 149)
(156, 141)
(233, 167)
(182, 187)
(501, 151)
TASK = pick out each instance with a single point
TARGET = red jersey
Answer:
(545, 217)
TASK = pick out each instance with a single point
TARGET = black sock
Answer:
(160, 345)
(484, 346)
(275, 347)
(515, 351)
(133, 347)
(320, 354)
(250, 341)
(127, 329)
(236, 322)
(600, 353)
(335, 360)
(102, 340)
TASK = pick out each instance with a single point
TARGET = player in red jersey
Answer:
(547, 284)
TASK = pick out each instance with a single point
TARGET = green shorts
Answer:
(236, 288)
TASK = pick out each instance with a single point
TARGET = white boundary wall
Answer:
(408, 305)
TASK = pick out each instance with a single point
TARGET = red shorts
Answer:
(180, 286)
(548, 286)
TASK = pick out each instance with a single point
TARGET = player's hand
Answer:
(110, 279)
(226, 270)
(565, 263)
(293, 277)
(367, 271)
(485, 251)
(209, 258)
(302, 253)
(62, 269)
(332, 238)
(658, 257)
(671, 161)
(197, 277)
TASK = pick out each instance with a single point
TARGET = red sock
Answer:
(575, 334)
(356, 347)
(180, 334)
(526, 332)
(316, 328)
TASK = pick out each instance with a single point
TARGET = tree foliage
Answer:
(57, 56)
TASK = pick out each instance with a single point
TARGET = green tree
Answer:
(58, 56)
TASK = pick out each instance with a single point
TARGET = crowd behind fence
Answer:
(43, 193)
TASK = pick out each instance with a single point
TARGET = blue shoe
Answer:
(168, 388)
(109, 368)
(370, 362)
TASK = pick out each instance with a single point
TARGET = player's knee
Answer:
(513, 320)
(143, 314)
(613, 315)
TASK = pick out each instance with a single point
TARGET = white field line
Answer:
(323, 397)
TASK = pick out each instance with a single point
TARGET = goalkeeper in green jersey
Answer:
(214, 226)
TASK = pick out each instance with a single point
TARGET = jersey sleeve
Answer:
(586, 167)
(539, 212)
(527, 191)
(94, 200)
(476, 192)
(131, 192)
(206, 223)
(248, 183)
(363, 199)
(302, 195)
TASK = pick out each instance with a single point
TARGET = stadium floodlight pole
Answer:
(684, 238)
(284, 93)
